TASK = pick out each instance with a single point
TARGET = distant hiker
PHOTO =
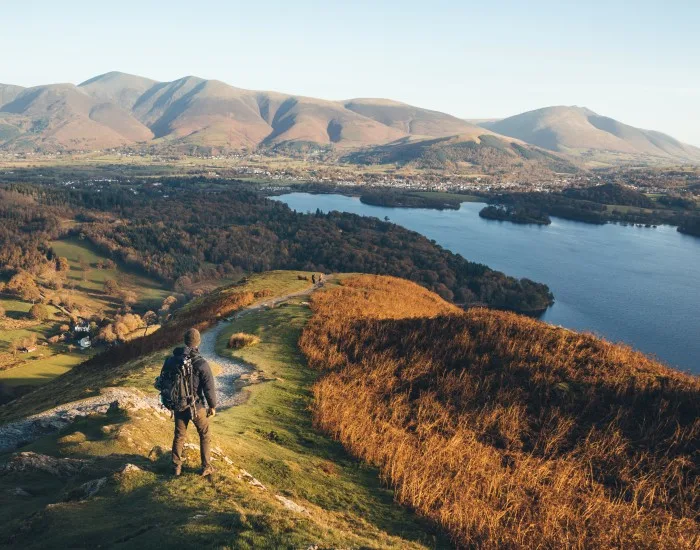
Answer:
(313, 278)
(187, 388)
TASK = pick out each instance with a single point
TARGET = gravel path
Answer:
(228, 394)
(231, 370)
(21, 432)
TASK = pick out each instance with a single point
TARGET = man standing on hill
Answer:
(199, 398)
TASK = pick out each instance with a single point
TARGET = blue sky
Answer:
(636, 61)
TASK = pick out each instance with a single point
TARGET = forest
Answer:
(398, 199)
(604, 203)
(186, 230)
(515, 214)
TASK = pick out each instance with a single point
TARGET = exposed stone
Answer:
(21, 432)
(130, 469)
(291, 505)
(248, 478)
(60, 467)
(91, 488)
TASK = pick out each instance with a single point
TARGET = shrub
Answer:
(242, 340)
(39, 312)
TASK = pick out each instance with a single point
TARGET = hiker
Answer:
(313, 279)
(187, 388)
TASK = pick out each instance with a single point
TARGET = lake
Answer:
(634, 285)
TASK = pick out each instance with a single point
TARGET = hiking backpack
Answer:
(176, 383)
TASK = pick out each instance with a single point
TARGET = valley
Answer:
(349, 276)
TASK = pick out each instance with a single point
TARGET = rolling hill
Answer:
(492, 430)
(506, 431)
(580, 131)
(118, 109)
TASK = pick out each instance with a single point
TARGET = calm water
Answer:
(635, 285)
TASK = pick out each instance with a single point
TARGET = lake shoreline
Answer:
(625, 284)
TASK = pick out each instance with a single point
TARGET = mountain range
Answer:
(117, 109)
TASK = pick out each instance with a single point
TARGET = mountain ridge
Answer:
(118, 109)
(575, 129)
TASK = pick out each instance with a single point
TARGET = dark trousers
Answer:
(201, 422)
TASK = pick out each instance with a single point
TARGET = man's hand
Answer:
(211, 412)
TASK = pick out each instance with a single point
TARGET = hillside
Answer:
(104, 479)
(506, 431)
(62, 116)
(412, 120)
(580, 131)
(492, 152)
(542, 440)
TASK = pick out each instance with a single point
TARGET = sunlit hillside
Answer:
(507, 431)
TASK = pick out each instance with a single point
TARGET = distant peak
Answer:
(115, 75)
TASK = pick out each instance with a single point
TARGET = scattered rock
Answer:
(108, 428)
(291, 505)
(130, 469)
(21, 432)
(218, 453)
(88, 489)
(60, 467)
(198, 516)
(248, 478)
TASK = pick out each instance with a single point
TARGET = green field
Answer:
(38, 369)
(149, 291)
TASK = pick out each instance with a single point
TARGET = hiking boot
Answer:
(177, 470)
(207, 471)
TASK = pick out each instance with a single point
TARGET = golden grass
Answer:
(506, 431)
(240, 340)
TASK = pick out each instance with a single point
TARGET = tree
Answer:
(39, 312)
(23, 285)
(129, 298)
(62, 264)
(150, 318)
(111, 287)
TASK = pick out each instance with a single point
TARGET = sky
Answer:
(637, 62)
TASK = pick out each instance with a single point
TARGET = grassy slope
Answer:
(271, 436)
(48, 362)
(507, 431)
(150, 292)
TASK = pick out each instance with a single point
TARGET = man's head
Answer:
(192, 338)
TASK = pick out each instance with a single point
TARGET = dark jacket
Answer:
(203, 379)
